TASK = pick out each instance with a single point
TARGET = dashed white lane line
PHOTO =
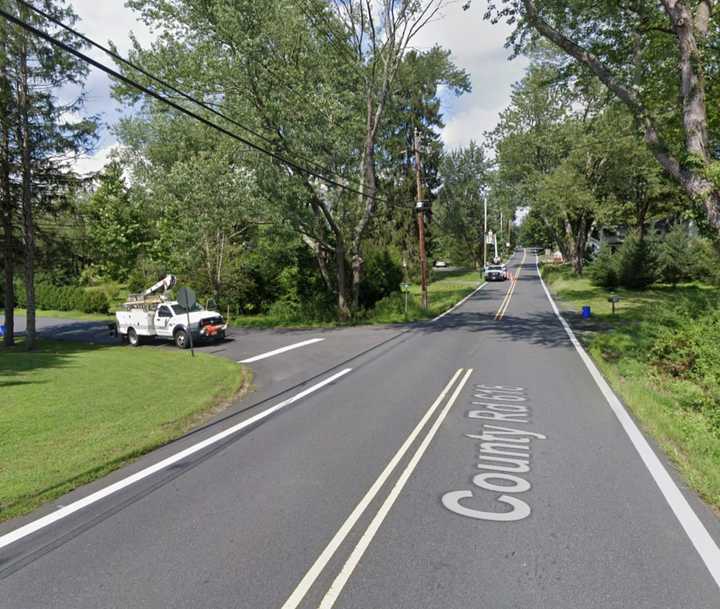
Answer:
(693, 526)
(257, 358)
(63, 512)
(326, 555)
(337, 586)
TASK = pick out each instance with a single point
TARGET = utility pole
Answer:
(485, 235)
(420, 207)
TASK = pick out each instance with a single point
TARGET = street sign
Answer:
(186, 297)
(405, 287)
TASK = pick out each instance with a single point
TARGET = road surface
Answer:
(473, 462)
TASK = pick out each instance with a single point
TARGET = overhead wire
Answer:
(292, 164)
(184, 95)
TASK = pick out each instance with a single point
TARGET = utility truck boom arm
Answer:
(165, 284)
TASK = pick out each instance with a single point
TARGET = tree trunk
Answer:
(7, 205)
(321, 259)
(27, 211)
(8, 241)
(8, 268)
(357, 263)
(367, 199)
(692, 88)
(342, 288)
(577, 233)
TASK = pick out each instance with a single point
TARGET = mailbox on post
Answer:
(614, 300)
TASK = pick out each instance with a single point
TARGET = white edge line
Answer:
(67, 510)
(463, 301)
(326, 555)
(693, 526)
(338, 584)
(257, 358)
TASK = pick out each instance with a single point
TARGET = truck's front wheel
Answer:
(181, 339)
(133, 338)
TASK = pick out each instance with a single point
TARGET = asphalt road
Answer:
(470, 462)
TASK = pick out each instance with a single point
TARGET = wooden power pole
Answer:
(420, 207)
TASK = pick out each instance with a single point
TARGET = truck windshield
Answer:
(181, 310)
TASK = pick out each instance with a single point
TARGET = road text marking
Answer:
(257, 358)
(313, 573)
(337, 586)
(503, 451)
(693, 526)
(65, 511)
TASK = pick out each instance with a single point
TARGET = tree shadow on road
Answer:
(542, 329)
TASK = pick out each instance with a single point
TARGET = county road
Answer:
(478, 461)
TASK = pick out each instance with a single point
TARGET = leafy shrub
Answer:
(603, 271)
(64, 298)
(688, 354)
(391, 309)
(674, 258)
(553, 272)
(381, 277)
(94, 302)
(704, 261)
(637, 262)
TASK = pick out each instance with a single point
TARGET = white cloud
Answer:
(103, 21)
(93, 163)
(478, 47)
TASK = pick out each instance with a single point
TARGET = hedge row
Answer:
(66, 298)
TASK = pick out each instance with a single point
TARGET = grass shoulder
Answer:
(660, 352)
(74, 412)
(77, 315)
(445, 289)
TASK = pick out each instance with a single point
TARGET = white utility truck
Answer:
(151, 314)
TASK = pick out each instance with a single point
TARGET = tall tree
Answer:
(7, 197)
(117, 227)
(654, 58)
(314, 84)
(46, 141)
(459, 210)
(379, 33)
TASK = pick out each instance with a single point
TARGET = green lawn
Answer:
(79, 315)
(444, 290)
(71, 413)
(672, 401)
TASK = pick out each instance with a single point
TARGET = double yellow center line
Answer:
(511, 290)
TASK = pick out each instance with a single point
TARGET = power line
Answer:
(147, 91)
(181, 93)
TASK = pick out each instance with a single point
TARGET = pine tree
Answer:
(39, 142)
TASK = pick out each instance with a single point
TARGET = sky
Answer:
(476, 46)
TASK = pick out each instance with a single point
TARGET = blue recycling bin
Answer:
(2, 330)
(586, 312)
